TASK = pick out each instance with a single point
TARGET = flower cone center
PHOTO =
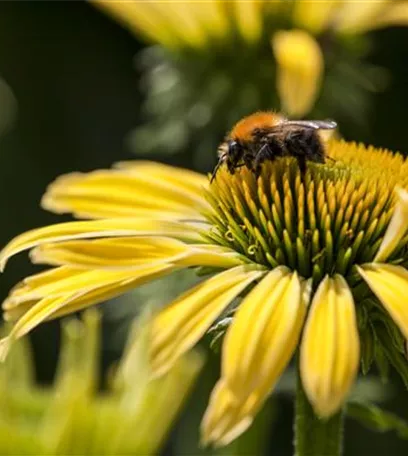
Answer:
(325, 223)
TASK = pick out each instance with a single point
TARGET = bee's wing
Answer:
(314, 124)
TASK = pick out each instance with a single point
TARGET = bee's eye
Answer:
(233, 147)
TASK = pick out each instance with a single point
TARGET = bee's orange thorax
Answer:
(244, 128)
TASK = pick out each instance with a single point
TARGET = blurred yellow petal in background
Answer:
(363, 16)
(314, 16)
(299, 70)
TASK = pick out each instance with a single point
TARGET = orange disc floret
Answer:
(243, 130)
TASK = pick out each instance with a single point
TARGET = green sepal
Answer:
(367, 338)
(395, 357)
(377, 419)
(381, 319)
(382, 363)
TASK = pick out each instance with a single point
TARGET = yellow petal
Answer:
(172, 24)
(209, 16)
(264, 333)
(191, 181)
(314, 16)
(210, 255)
(111, 253)
(390, 284)
(96, 229)
(133, 252)
(360, 16)
(66, 280)
(299, 70)
(180, 325)
(142, 18)
(248, 17)
(30, 320)
(261, 350)
(184, 20)
(72, 282)
(122, 193)
(37, 281)
(71, 294)
(225, 418)
(330, 348)
(395, 14)
(396, 229)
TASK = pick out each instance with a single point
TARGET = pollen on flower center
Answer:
(335, 219)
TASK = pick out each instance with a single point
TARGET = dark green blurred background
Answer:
(71, 70)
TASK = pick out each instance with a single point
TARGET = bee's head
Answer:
(229, 151)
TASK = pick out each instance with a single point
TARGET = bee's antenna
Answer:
(220, 161)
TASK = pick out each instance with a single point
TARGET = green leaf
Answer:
(377, 419)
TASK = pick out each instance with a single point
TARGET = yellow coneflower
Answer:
(302, 34)
(277, 241)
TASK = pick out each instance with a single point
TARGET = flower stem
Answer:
(315, 436)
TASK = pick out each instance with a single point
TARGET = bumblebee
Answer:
(266, 136)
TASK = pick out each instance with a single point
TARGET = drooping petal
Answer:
(396, 229)
(225, 418)
(71, 292)
(264, 333)
(299, 70)
(390, 284)
(145, 189)
(181, 324)
(97, 229)
(330, 347)
(65, 281)
(133, 252)
(258, 346)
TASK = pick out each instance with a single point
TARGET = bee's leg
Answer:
(270, 150)
(248, 161)
(297, 145)
(263, 154)
(301, 159)
(231, 167)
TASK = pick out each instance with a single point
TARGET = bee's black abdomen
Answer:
(306, 145)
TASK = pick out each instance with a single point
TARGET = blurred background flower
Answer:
(213, 62)
(131, 416)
